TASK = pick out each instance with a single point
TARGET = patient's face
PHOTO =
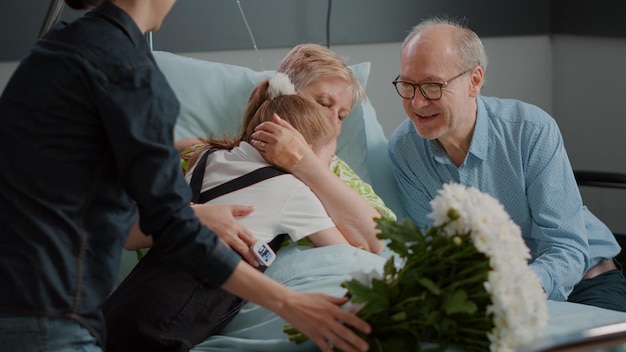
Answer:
(334, 95)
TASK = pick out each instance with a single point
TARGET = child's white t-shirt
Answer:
(283, 204)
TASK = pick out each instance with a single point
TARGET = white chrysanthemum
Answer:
(518, 301)
(451, 196)
(280, 85)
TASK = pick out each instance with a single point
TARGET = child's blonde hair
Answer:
(303, 114)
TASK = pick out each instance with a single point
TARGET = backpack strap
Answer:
(198, 176)
(235, 184)
(240, 182)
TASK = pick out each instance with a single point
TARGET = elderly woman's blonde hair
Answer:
(309, 63)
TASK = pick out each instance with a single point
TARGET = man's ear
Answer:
(476, 81)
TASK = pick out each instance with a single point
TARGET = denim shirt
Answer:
(86, 144)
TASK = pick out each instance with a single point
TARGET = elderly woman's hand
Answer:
(221, 219)
(280, 143)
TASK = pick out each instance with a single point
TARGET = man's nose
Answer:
(419, 100)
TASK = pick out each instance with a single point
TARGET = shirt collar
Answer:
(121, 19)
(251, 152)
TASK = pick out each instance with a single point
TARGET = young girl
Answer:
(283, 204)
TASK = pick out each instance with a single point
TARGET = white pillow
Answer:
(213, 97)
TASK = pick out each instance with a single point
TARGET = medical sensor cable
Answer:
(328, 23)
(245, 21)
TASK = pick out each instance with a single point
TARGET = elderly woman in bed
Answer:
(322, 76)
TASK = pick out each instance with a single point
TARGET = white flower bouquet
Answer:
(464, 282)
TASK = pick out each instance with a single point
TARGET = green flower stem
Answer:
(483, 267)
(473, 331)
(476, 279)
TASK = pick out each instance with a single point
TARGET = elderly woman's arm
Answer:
(353, 215)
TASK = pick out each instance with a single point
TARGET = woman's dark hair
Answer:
(83, 4)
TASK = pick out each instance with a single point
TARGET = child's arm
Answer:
(184, 143)
(327, 237)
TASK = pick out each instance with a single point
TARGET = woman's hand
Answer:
(318, 316)
(221, 219)
(280, 144)
(218, 217)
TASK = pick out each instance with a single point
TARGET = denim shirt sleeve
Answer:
(141, 111)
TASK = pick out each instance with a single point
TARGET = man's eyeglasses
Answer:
(430, 90)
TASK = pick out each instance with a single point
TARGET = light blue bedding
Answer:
(323, 269)
(304, 269)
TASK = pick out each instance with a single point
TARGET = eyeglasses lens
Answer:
(405, 90)
(431, 91)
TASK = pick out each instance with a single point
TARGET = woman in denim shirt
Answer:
(99, 118)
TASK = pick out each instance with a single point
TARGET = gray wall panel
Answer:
(207, 25)
(603, 18)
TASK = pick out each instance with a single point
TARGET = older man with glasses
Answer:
(510, 149)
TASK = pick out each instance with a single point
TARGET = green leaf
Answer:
(390, 268)
(358, 292)
(399, 234)
(433, 318)
(376, 298)
(400, 316)
(404, 342)
(139, 254)
(429, 285)
(457, 302)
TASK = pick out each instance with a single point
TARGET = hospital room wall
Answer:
(577, 79)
